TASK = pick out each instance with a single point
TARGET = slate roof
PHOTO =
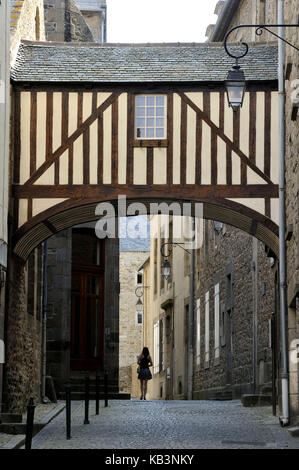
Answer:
(119, 63)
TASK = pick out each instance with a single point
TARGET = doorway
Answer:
(87, 312)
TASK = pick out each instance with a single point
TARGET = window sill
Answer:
(150, 143)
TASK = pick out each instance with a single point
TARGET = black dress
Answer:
(144, 372)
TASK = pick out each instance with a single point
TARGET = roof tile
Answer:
(120, 63)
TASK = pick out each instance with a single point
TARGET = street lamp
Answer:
(139, 305)
(166, 269)
(166, 266)
(235, 85)
(139, 293)
(235, 82)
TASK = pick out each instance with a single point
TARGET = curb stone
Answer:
(16, 442)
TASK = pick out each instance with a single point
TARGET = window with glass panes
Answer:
(150, 117)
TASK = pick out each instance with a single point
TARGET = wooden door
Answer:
(87, 332)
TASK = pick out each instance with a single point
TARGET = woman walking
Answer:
(144, 362)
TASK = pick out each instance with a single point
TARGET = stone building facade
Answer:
(221, 348)
(4, 157)
(230, 14)
(22, 19)
(75, 21)
(24, 373)
(292, 199)
(235, 306)
(27, 22)
(75, 256)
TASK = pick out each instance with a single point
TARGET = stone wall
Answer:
(65, 23)
(238, 262)
(292, 198)
(4, 159)
(96, 22)
(254, 12)
(27, 22)
(22, 373)
(130, 331)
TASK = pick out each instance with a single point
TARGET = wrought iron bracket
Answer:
(171, 244)
(259, 28)
(142, 290)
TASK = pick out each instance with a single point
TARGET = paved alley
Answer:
(138, 424)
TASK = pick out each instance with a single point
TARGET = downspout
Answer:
(191, 329)
(44, 320)
(284, 419)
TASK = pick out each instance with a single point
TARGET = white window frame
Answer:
(198, 332)
(156, 348)
(217, 319)
(154, 117)
(207, 327)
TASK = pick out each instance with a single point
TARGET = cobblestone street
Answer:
(168, 425)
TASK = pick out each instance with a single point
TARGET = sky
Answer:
(159, 20)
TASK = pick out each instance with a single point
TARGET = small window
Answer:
(139, 278)
(150, 117)
(139, 318)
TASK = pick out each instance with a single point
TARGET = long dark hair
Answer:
(145, 352)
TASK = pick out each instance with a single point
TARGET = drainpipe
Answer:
(44, 326)
(284, 419)
(191, 329)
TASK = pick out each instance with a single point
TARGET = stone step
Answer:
(92, 380)
(80, 395)
(224, 395)
(92, 388)
(10, 418)
(256, 400)
(19, 428)
(294, 431)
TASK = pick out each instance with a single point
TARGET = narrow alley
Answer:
(136, 424)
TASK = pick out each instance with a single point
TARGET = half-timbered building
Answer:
(92, 122)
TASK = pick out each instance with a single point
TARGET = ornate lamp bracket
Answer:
(170, 248)
(139, 291)
(259, 28)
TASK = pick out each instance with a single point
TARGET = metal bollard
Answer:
(97, 393)
(68, 410)
(86, 420)
(29, 423)
(106, 387)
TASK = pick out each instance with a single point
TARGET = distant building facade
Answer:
(133, 254)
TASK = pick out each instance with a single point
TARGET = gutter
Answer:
(224, 20)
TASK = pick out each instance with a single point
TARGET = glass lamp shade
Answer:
(139, 305)
(166, 269)
(235, 87)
